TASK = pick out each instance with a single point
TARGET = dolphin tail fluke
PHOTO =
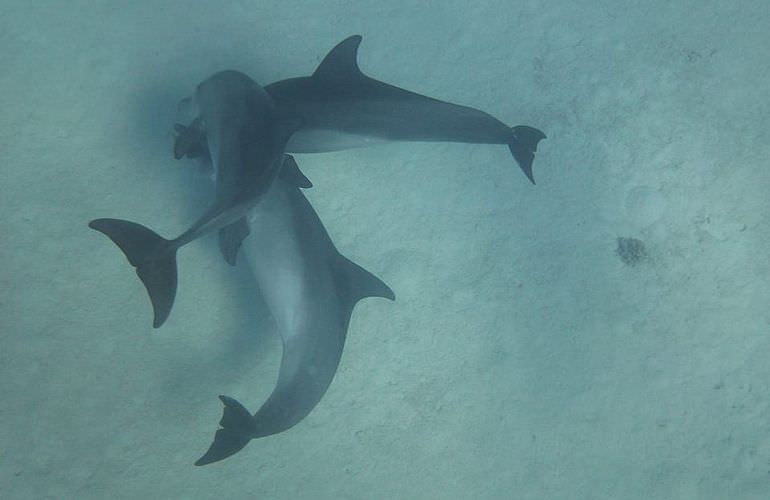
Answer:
(152, 256)
(236, 432)
(523, 146)
(291, 173)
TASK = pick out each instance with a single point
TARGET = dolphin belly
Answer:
(324, 140)
(290, 254)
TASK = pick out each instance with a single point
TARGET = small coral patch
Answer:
(631, 251)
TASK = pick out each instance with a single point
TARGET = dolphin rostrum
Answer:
(310, 290)
(342, 108)
(245, 134)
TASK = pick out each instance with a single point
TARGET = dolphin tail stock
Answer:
(153, 256)
(523, 145)
(237, 429)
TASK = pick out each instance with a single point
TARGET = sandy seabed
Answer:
(525, 357)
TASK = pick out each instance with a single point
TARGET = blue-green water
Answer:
(523, 358)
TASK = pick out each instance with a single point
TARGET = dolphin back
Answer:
(343, 108)
(324, 299)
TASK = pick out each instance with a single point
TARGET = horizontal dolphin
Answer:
(342, 108)
(245, 135)
(310, 290)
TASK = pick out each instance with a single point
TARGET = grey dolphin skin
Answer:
(310, 290)
(245, 135)
(342, 108)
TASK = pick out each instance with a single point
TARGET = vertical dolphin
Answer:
(240, 127)
(310, 289)
(343, 108)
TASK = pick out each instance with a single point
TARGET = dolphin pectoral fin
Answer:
(236, 432)
(189, 140)
(231, 237)
(291, 173)
(153, 258)
(341, 63)
(523, 146)
(184, 108)
(358, 283)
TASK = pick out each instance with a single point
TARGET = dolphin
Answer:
(342, 108)
(310, 290)
(245, 134)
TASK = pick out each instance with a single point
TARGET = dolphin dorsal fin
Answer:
(358, 283)
(291, 173)
(341, 63)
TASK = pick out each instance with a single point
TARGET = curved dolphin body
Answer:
(342, 108)
(245, 135)
(310, 290)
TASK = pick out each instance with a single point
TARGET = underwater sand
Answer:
(523, 358)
